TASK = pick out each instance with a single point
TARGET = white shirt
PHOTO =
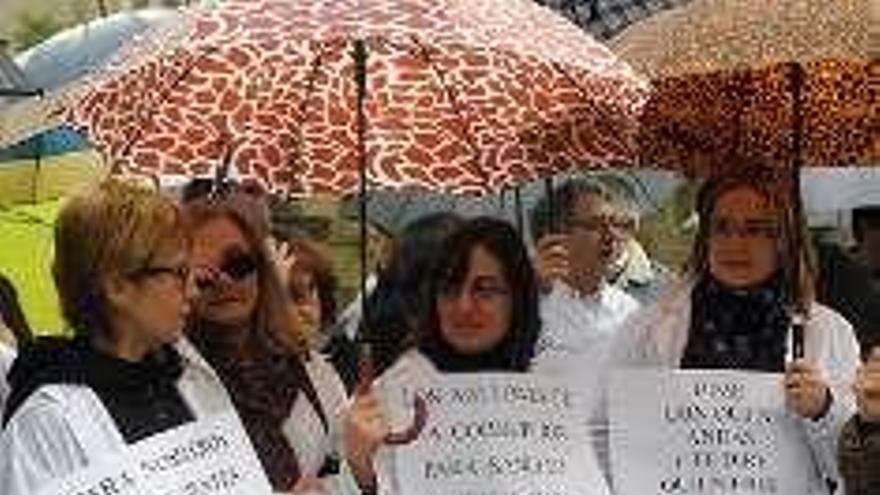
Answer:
(63, 428)
(576, 335)
(657, 336)
(578, 325)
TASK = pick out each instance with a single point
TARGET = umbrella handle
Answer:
(420, 408)
(408, 435)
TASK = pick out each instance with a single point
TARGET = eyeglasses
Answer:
(236, 268)
(752, 227)
(181, 272)
(596, 224)
(487, 292)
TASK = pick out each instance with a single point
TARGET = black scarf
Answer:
(502, 357)
(737, 329)
(141, 397)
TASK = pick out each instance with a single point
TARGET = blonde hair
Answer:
(116, 227)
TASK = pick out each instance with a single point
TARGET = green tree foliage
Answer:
(33, 27)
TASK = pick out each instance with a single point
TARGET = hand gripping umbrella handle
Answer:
(420, 409)
(420, 417)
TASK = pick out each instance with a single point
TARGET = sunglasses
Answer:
(236, 268)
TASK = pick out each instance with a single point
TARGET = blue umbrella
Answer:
(66, 57)
(45, 166)
(52, 142)
(72, 53)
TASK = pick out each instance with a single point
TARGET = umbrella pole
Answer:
(38, 164)
(517, 204)
(797, 76)
(366, 371)
(551, 205)
(360, 73)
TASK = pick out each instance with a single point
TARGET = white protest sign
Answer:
(496, 434)
(704, 432)
(207, 457)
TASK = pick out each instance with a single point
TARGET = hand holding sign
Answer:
(806, 392)
(365, 430)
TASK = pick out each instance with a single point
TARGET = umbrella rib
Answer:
(310, 86)
(585, 94)
(457, 110)
(162, 98)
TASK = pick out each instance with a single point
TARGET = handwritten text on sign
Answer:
(208, 457)
(497, 434)
(704, 432)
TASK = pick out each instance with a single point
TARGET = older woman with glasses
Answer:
(121, 270)
(750, 281)
(289, 398)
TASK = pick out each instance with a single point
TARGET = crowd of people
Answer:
(184, 309)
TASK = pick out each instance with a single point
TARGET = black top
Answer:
(141, 397)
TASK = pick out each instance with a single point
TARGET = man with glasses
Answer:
(580, 231)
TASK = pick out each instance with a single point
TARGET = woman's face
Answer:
(743, 238)
(226, 271)
(154, 300)
(475, 316)
(305, 301)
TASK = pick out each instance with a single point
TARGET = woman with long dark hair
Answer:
(482, 315)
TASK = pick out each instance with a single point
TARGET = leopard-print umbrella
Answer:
(457, 96)
(785, 81)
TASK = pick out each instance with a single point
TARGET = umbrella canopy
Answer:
(62, 60)
(452, 95)
(605, 18)
(781, 81)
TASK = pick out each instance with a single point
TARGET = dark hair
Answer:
(311, 260)
(557, 208)
(515, 351)
(865, 218)
(797, 262)
(400, 298)
(11, 312)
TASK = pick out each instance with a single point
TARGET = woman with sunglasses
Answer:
(750, 282)
(122, 277)
(289, 399)
(483, 316)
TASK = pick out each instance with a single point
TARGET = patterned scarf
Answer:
(263, 390)
(737, 329)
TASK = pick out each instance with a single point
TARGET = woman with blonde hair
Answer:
(122, 275)
(289, 398)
